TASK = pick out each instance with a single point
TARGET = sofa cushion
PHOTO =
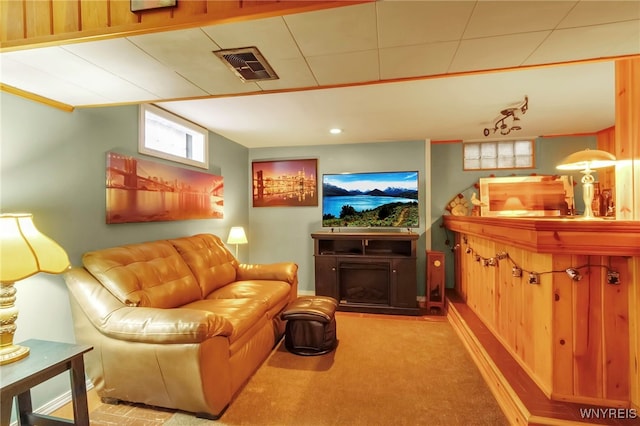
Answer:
(151, 274)
(241, 313)
(211, 263)
(271, 293)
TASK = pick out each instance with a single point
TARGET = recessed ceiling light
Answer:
(335, 131)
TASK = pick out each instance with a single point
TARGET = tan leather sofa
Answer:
(177, 323)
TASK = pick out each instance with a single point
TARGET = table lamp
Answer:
(24, 252)
(587, 160)
(237, 236)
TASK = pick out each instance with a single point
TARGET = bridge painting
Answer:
(140, 190)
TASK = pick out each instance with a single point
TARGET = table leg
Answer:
(24, 407)
(5, 410)
(79, 392)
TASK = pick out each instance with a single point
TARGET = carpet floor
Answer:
(386, 370)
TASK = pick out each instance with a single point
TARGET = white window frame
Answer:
(180, 123)
(494, 146)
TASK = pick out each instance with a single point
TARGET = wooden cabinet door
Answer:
(326, 276)
(404, 283)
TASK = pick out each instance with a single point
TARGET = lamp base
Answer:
(13, 353)
(8, 315)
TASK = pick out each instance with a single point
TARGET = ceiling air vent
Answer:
(247, 63)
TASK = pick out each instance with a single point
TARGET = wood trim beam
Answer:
(36, 98)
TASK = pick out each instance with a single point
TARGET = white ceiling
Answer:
(383, 71)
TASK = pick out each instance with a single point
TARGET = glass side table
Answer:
(46, 360)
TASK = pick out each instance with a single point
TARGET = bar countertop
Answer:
(554, 235)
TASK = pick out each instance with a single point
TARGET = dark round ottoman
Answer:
(311, 325)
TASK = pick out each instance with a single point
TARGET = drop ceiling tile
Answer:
(190, 54)
(65, 66)
(414, 61)
(630, 46)
(217, 80)
(496, 52)
(587, 42)
(601, 12)
(37, 81)
(345, 68)
(271, 36)
(338, 30)
(123, 58)
(180, 49)
(410, 23)
(292, 73)
(491, 18)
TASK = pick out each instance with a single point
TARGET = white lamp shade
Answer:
(237, 236)
(587, 159)
(25, 251)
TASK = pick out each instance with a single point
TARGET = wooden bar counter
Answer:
(577, 339)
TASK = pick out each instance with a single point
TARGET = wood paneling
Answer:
(607, 142)
(627, 143)
(571, 337)
(94, 15)
(66, 16)
(519, 397)
(29, 23)
(634, 333)
(38, 22)
(628, 139)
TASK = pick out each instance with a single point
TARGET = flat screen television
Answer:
(378, 199)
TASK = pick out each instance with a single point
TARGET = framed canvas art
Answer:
(140, 190)
(288, 183)
(526, 196)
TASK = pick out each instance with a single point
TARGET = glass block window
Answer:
(498, 155)
(167, 136)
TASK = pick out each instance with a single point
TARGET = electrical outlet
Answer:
(534, 278)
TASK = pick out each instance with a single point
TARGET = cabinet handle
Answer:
(393, 270)
(333, 269)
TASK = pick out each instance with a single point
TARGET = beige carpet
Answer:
(385, 371)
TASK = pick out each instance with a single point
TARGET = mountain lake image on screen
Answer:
(376, 199)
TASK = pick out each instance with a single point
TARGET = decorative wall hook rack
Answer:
(509, 119)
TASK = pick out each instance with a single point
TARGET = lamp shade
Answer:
(587, 159)
(25, 251)
(237, 236)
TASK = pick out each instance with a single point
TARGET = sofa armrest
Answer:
(282, 271)
(156, 325)
(137, 324)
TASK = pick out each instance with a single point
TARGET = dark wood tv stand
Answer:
(368, 271)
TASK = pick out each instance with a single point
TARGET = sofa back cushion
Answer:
(149, 274)
(210, 261)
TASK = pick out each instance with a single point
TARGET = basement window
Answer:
(167, 136)
(516, 154)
